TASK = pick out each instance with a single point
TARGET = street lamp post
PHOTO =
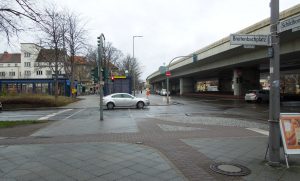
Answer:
(168, 69)
(133, 76)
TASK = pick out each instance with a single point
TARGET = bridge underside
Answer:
(237, 70)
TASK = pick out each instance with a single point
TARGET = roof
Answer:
(10, 57)
(80, 60)
(48, 55)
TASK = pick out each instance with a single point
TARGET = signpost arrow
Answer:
(239, 39)
(290, 23)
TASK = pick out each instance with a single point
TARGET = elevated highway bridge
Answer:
(233, 68)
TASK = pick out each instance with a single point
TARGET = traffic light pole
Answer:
(101, 40)
(274, 105)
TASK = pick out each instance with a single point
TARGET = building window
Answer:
(1, 65)
(26, 54)
(39, 72)
(27, 73)
(8, 65)
(27, 64)
(12, 74)
(16, 65)
(2, 74)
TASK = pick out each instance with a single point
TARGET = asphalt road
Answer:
(220, 107)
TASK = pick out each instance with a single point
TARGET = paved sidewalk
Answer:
(140, 145)
(84, 161)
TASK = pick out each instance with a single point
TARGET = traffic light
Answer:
(112, 78)
(94, 74)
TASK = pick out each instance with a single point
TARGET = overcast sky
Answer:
(169, 28)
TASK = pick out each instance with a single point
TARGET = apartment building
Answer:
(33, 62)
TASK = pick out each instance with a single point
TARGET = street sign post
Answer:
(290, 23)
(239, 39)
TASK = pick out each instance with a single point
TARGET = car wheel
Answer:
(140, 105)
(110, 105)
(259, 100)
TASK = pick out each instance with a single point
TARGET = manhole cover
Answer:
(230, 169)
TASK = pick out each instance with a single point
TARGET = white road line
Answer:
(54, 114)
(74, 114)
(264, 132)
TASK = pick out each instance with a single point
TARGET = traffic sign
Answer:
(290, 23)
(162, 69)
(239, 39)
(168, 73)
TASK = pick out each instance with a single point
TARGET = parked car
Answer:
(163, 92)
(257, 96)
(157, 91)
(124, 100)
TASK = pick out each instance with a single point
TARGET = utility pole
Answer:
(274, 105)
(101, 40)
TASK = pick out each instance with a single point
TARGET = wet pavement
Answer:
(162, 142)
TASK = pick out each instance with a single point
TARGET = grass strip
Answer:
(9, 124)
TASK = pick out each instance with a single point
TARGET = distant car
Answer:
(257, 96)
(124, 100)
(163, 92)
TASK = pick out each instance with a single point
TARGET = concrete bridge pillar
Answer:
(186, 85)
(237, 82)
(245, 79)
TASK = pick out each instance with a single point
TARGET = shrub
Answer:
(34, 100)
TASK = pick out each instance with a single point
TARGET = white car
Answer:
(257, 96)
(163, 92)
(124, 100)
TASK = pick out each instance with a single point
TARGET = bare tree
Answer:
(52, 27)
(112, 57)
(12, 14)
(91, 54)
(75, 36)
(132, 66)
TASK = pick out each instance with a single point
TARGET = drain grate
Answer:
(230, 169)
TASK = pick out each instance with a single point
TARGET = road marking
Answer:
(74, 114)
(54, 114)
(264, 132)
